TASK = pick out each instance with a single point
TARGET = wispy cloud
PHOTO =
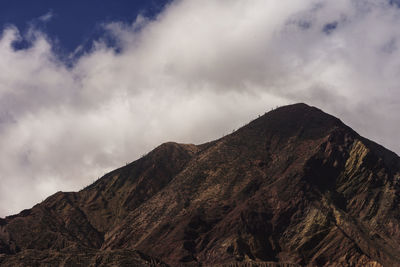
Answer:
(197, 71)
(46, 17)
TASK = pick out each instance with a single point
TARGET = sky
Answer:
(72, 24)
(88, 86)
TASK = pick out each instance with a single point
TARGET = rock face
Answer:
(295, 187)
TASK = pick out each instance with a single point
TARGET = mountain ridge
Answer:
(294, 186)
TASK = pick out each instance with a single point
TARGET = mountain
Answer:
(295, 187)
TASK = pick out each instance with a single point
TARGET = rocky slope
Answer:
(295, 187)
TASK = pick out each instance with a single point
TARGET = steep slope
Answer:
(294, 186)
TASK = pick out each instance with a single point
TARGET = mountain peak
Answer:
(297, 120)
(300, 115)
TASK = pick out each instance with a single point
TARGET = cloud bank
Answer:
(194, 73)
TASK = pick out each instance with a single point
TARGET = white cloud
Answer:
(199, 70)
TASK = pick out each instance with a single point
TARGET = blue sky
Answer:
(73, 23)
(190, 71)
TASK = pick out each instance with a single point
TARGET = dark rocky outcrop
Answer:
(295, 187)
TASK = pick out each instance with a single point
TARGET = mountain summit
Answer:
(295, 187)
